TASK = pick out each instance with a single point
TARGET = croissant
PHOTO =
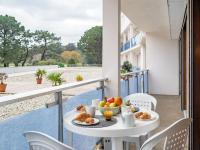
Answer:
(82, 117)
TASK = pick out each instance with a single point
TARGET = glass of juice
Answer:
(108, 115)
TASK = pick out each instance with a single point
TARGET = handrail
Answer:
(10, 99)
(133, 73)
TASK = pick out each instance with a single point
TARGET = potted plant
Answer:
(79, 77)
(55, 78)
(3, 86)
(39, 75)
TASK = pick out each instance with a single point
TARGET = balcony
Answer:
(134, 41)
(48, 119)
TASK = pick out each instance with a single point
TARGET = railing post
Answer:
(128, 84)
(147, 72)
(136, 75)
(102, 88)
(58, 98)
(142, 82)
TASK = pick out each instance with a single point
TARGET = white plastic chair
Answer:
(144, 101)
(41, 141)
(175, 136)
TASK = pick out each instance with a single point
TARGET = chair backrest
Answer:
(142, 100)
(175, 136)
(41, 141)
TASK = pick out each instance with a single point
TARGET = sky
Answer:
(68, 19)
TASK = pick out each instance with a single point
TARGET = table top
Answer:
(116, 130)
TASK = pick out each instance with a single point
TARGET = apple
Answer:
(102, 103)
(113, 105)
(111, 100)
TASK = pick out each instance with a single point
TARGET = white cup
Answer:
(95, 103)
(91, 110)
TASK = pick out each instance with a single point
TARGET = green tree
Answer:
(70, 47)
(10, 34)
(90, 45)
(47, 41)
(27, 43)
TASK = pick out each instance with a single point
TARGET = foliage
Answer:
(55, 78)
(90, 45)
(39, 73)
(70, 47)
(45, 62)
(3, 77)
(79, 77)
(11, 32)
(61, 65)
(46, 41)
(71, 57)
(27, 43)
(127, 66)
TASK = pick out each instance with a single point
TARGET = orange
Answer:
(118, 101)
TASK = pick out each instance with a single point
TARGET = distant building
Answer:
(132, 44)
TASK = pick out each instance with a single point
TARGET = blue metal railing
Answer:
(130, 43)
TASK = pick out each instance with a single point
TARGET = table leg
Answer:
(117, 143)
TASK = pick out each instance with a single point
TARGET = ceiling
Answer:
(162, 17)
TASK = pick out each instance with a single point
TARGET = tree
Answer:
(46, 41)
(90, 45)
(70, 47)
(71, 57)
(27, 42)
(10, 34)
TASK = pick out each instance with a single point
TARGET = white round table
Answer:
(116, 132)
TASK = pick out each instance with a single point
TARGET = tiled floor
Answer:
(169, 108)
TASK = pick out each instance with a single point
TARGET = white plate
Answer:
(152, 117)
(96, 121)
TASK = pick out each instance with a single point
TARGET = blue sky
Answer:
(66, 18)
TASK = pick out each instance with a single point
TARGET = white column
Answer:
(111, 46)
(143, 57)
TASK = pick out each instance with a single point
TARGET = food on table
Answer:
(108, 115)
(89, 120)
(107, 103)
(143, 115)
(82, 117)
(81, 108)
(102, 103)
(134, 109)
(128, 103)
(118, 101)
(111, 100)
(113, 105)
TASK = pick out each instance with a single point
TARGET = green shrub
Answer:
(71, 61)
(79, 77)
(45, 62)
(39, 73)
(127, 66)
(55, 78)
(61, 65)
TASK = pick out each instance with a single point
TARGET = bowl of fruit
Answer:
(111, 104)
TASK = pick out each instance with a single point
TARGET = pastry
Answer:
(89, 120)
(81, 108)
(82, 117)
(143, 115)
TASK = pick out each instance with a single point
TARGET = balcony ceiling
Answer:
(161, 17)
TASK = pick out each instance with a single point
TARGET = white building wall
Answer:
(162, 60)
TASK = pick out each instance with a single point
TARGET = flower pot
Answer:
(3, 87)
(39, 81)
